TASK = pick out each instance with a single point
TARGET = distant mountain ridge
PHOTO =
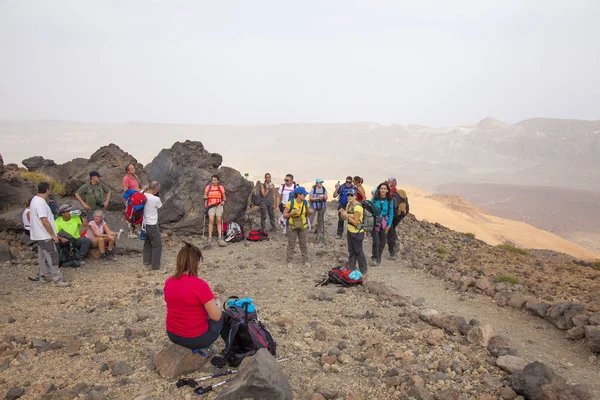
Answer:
(537, 151)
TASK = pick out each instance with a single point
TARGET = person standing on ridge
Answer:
(153, 241)
(341, 192)
(267, 203)
(285, 190)
(131, 182)
(318, 202)
(354, 214)
(401, 209)
(214, 197)
(43, 231)
(382, 200)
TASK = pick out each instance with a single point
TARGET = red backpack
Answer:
(341, 276)
(257, 236)
(134, 213)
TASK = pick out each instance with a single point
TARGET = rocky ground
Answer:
(96, 340)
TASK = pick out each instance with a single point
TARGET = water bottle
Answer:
(76, 213)
(120, 231)
(143, 234)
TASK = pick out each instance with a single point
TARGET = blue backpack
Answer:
(344, 193)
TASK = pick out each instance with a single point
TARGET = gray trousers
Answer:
(356, 252)
(320, 215)
(83, 244)
(152, 247)
(302, 235)
(266, 208)
(48, 260)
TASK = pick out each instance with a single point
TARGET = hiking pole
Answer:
(194, 382)
(201, 390)
(204, 219)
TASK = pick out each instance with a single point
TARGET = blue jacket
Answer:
(386, 207)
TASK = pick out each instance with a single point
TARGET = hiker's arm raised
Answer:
(212, 310)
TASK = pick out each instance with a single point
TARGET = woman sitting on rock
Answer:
(194, 319)
(101, 235)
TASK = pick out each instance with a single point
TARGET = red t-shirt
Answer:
(131, 183)
(185, 297)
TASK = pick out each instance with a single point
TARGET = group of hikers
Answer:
(301, 211)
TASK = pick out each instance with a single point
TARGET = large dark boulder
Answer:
(109, 160)
(38, 162)
(15, 192)
(1, 165)
(183, 172)
(537, 381)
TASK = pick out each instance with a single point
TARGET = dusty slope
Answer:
(462, 216)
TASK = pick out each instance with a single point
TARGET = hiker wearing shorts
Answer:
(101, 236)
(267, 203)
(194, 319)
(43, 231)
(296, 212)
(318, 202)
(353, 213)
(214, 198)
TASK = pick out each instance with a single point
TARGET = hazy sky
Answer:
(261, 62)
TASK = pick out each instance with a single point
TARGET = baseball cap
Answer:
(301, 190)
(351, 191)
(319, 180)
(95, 173)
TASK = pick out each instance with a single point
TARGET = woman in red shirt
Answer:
(194, 320)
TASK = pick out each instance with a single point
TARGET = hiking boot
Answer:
(373, 262)
(111, 255)
(132, 236)
(61, 283)
(81, 263)
(338, 236)
(44, 279)
(393, 257)
(104, 257)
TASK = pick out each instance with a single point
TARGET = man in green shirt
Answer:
(94, 195)
(67, 228)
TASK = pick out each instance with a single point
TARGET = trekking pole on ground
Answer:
(201, 390)
(194, 382)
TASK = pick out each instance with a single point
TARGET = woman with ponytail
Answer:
(194, 318)
(383, 200)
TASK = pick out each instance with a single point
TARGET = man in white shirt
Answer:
(284, 191)
(153, 241)
(43, 231)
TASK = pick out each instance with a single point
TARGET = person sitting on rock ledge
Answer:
(67, 228)
(101, 235)
(194, 317)
(96, 193)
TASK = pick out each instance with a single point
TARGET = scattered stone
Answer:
(327, 393)
(539, 309)
(175, 360)
(517, 301)
(427, 313)
(80, 388)
(419, 302)
(142, 317)
(483, 284)
(558, 390)
(317, 396)
(15, 393)
(100, 348)
(339, 322)
(320, 334)
(595, 318)
(435, 337)
(575, 333)
(510, 364)
(452, 324)
(503, 297)
(592, 336)
(258, 377)
(38, 344)
(561, 314)
(507, 393)
(121, 368)
(593, 306)
(480, 335)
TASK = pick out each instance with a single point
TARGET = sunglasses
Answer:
(288, 180)
(350, 194)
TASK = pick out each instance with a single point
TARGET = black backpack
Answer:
(243, 333)
(68, 255)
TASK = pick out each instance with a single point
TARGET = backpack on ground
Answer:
(242, 332)
(232, 232)
(257, 236)
(343, 276)
(68, 255)
(134, 212)
(402, 207)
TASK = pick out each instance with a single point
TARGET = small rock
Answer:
(317, 396)
(100, 348)
(419, 302)
(510, 364)
(507, 393)
(427, 313)
(539, 309)
(575, 333)
(121, 368)
(592, 337)
(435, 337)
(15, 393)
(327, 392)
(517, 301)
(80, 388)
(320, 334)
(480, 335)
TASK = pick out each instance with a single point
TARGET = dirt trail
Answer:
(534, 338)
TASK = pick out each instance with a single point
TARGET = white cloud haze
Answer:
(263, 62)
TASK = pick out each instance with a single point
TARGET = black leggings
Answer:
(202, 341)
